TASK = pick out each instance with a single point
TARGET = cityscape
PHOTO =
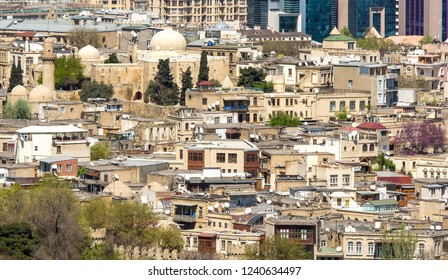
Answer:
(224, 130)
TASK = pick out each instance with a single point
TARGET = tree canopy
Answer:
(420, 137)
(345, 31)
(16, 77)
(112, 59)
(93, 89)
(187, 83)
(398, 245)
(68, 73)
(283, 119)
(384, 163)
(162, 90)
(427, 39)
(19, 110)
(99, 151)
(375, 44)
(276, 248)
(80, 37)
(203, 68)
(252, 77)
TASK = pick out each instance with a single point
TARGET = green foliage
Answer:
(375, 44)
(112, 59)
(249, 76)
(103, 251)
(99, 151)
(16, 77)
(93, 89)
(17, 241)
(68, 72)
(187, 83)
(399, 245)
(12, 205)
(283, 119)
(20, 110)
(203, 68)
(427, 39)
(264, 86)
(341, 115)
(162, 90)
(81, 171)
(277, 249)
(384, 163)
(171, 239)
(80, 37)
(345, 31)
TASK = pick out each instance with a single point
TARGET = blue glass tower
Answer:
(321, 17)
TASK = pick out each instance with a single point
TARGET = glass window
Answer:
(362, 105)
(352, 105)
(233, 158)
(220, 157)
(358, 248)
(332, 106)
(350, 248)
(350, 83)
(421, 249)
(333, 179)
(345, 180)
(341, 105)
(69, 167)
(370, 249)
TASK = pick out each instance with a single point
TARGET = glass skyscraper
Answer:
(362, 17)
(321, 17)
(257, 13)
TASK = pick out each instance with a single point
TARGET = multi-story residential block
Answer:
(60, 166)
(34, 143)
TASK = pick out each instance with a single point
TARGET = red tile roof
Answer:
(349, 128)
(371, 125)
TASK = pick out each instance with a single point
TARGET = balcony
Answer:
(184, 218)
(236, 107)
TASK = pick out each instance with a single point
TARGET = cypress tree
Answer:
(16, 77)
(162, 90)
(187, 83)
(203, 68)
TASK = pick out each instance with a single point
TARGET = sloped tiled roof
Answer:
(371, 125)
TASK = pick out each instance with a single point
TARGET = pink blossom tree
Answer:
(420, 138)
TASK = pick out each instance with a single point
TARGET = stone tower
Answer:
(48, 58)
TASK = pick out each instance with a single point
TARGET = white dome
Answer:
(41, 94)
(88, 52)
(168, 40)
(19, 90)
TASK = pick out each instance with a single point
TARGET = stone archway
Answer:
(138, 96)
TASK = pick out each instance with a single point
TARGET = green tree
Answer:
(376, 44)
(13, 201)
(250, 76)
(16, 77)
(171, 239)
(345, 31)
(112, 59)
(384, 163)
(283, 119)
(187, 83)
(20, 110)
(93, 89)
(341, 115)
(427, 39)
(68, 73)
(398, 245)
(276, 248)
(103, 251)
(203, 68)
(99, 151)
(17, 242)
(162, 90)
(80, 37)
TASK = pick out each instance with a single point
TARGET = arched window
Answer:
(364, 147)
(421, 250)
(431, 172)
(353, 148)
(358, 248)
(350, 248)
(444, 173)
(371, 147)
(422, 73)
(425, 173)
(345, 149)
(370, 249)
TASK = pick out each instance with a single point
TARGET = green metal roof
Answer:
(339, 38)
(383, 202)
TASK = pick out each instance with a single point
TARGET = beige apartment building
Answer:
(200, 12)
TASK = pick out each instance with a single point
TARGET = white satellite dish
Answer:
(438, 227)
(14, 137)
(54, 166)
(202, 177)
(431, 227)
(133, 33)
(210, 208)
(372, 187)
(258, 199)
(167, 212)
(226, 205)
(316, 90)
(116, 177)
(271, 190)
(216, 205)
(352, 229)
(248, 210)
(387, 153)
(339, 249)
(79, 125)
(298, 204)
(216, 103)
(269, 202)
(349, 116)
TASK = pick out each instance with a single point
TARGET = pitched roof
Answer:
(383, 202)
(349, 128)
(371, 125)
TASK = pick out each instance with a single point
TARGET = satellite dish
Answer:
(438, 227)
(92, 164)
(271, 190)
(202, 177)
(210, 208)
(226, 205)
(352, 229)
(349, 116)
(372, 187)
(387, 153)
(305, 123)
(269, 202)
(79, 125)
(431, 227)
(316, 90)
(216, 205)
(248, 210)
(167, 212)
(54, 166)
(116, 177)
(300, 64)
(98, 20)
(298, 204)
(258, 199)
(339, 249)
(14, 137)
(216, 103)
(133, 33)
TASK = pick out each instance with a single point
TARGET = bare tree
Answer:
(80, 37)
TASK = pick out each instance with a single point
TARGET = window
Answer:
(333, 179)
(229, 119)
(59, 167)
(350, 83)
(364, 147)
(332, 106)
(223, 245)
(323, 243)
(289, 72)
(358, 248)
(371, 147)
(346, 180)
(341, 105)
(255, 101)
(58, 149)
(181, 154)
(216, 119)
(303, 234)
(352, 105)
(284, 233)
(251, 157)
(36, 148)
(69, 168)
(350, 248)
(62, 110)
(195, 242)
(220, 157)
(362, 105)
(204, 101)
(421, 250)
(233, 158)
(370, 249)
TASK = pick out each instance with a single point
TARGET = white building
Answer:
(33, 143)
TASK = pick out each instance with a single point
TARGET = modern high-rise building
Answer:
(257, 13)
(320, 17)
(360, 15)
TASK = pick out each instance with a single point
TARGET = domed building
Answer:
(41, 93)
(18, 92)
(168, 40)
(89, 55)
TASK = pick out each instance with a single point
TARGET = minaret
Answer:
(48, 58)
